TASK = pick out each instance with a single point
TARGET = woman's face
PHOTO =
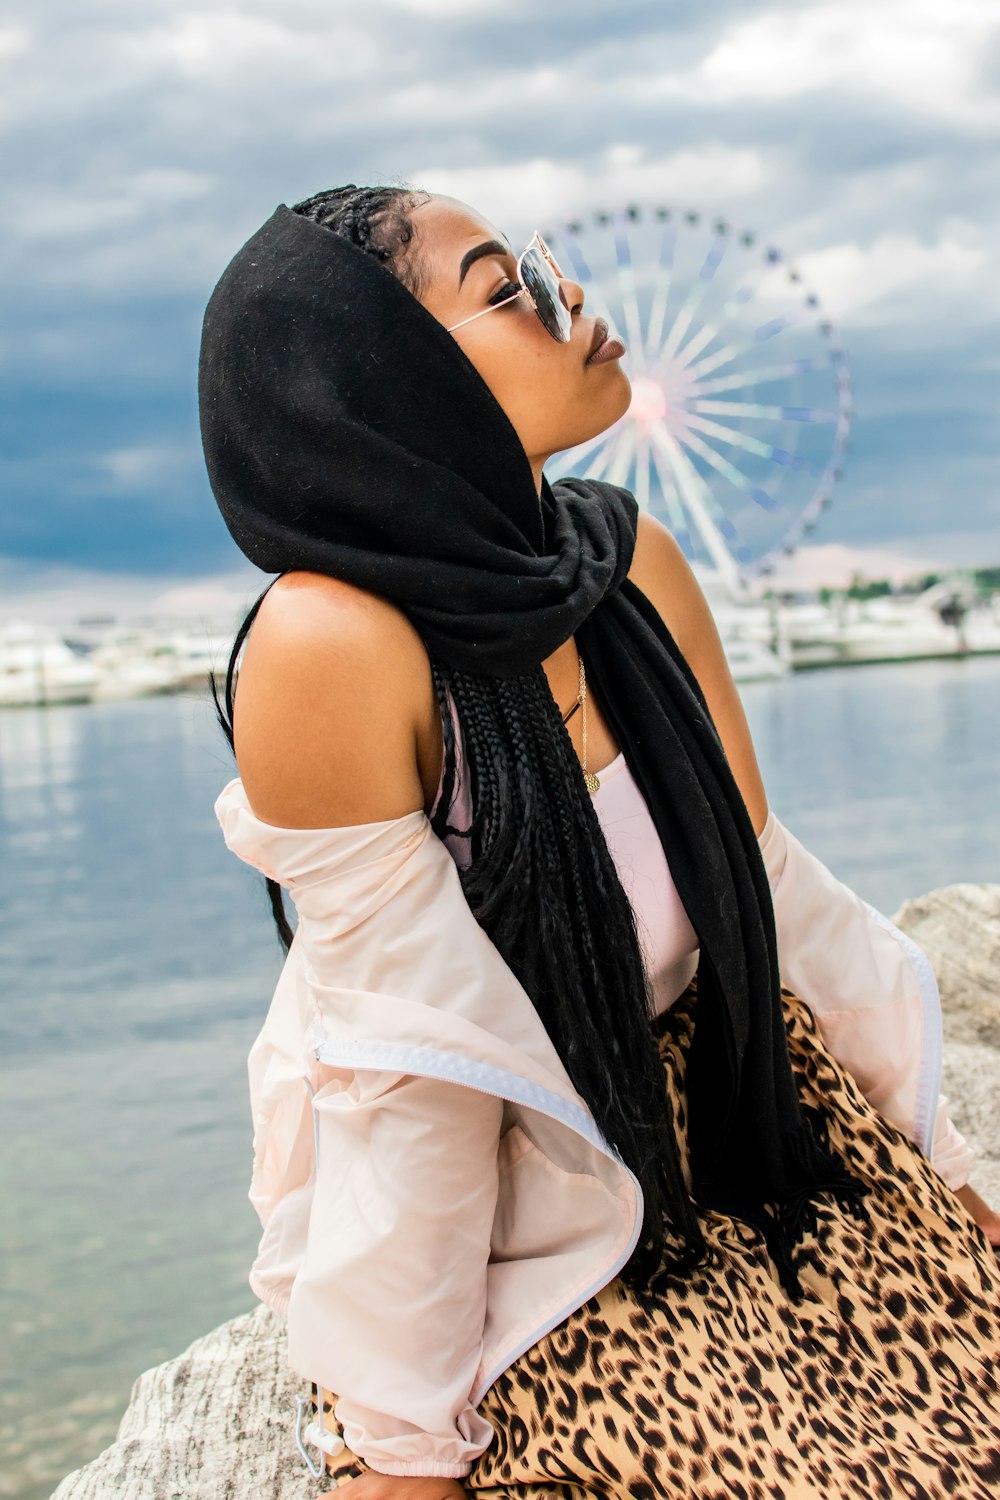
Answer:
(552, 397)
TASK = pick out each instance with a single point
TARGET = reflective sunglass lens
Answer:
(543, 284)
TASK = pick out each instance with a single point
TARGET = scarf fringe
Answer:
(786, 1223)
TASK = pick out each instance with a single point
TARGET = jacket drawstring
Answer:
(328, 1442)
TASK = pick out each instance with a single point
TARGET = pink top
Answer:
(668, 942)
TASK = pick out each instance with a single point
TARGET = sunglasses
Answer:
(537, 278)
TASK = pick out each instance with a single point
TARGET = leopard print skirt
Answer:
(883, 1382)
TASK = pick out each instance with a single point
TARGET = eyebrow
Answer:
(488, 247)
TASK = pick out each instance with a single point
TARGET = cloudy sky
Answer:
(143, 143)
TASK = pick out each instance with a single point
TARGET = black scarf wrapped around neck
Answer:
(346, 432)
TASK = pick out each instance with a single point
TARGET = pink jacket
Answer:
(435, 1195)
(873, 992)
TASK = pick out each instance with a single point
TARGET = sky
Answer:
(144, 143)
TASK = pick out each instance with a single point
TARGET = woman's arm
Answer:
(660, 569)
(388, 1304)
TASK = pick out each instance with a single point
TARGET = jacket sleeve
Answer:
(387, 1308)
(873, 992)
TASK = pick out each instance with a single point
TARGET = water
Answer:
(137, 959)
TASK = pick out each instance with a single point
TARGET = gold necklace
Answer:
(591, 778)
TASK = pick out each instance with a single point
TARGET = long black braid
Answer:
(537, 851)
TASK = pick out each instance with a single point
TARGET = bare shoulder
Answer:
(663, 573)
(331, 691)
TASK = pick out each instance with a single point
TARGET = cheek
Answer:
(525, 379)
(542, 385)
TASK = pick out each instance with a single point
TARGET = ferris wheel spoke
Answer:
(600, 461)
(617, 470)
(771, 413)
(731, 435)
(774, 326)
(671, 500)
(570, 457)
(713, 330)
(680, 326)
(696, 495)
(691, 488)
(642, 470)
(695, 345)
(626, 285)
(721, 357)
(721, 465)
(605, 456)
(578, 260)
(692, 302)
(759, 376)
(749, 444)
(756, 336)
(706, 276)
(729, 471)
(661, 287)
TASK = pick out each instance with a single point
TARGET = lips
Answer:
(605, 346)
(601, 332)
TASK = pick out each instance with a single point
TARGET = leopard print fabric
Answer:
(882, 1383)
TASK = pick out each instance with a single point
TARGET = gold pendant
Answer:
(592, 780)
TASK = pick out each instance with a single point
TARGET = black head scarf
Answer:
(346, 432)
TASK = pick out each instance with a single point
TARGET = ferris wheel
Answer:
(741, 396)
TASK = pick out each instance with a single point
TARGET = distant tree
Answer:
(873, 588)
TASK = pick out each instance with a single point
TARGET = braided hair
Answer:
(376, 219)
(540, 880)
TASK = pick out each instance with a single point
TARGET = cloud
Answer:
(60, 595)
(880, 283)
(106, 206)
(137, 468)
(925, 56)
(833, 565)
(230, 46)
(552, 190)
(14, 42)
(143, 144)
(444, 8)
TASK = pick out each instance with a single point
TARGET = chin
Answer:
(626, 385)
(617, 400)
(602, 415)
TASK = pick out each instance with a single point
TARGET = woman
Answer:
(589, 1053)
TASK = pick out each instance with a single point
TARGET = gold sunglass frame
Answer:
(536, 242)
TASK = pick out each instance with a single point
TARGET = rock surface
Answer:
(958, 928)
(218, 1420)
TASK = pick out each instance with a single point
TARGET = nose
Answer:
(571, 293)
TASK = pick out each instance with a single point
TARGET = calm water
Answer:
(137, 961)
